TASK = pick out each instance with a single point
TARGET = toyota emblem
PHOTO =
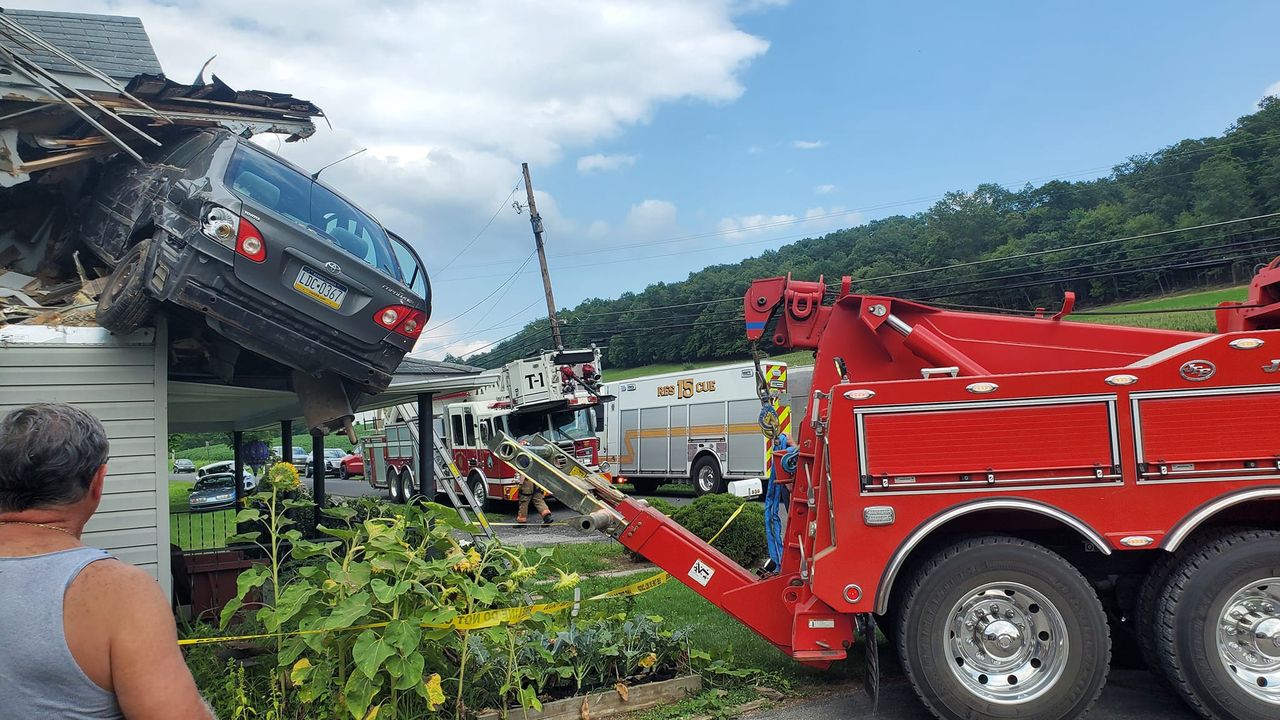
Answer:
(333, 267)
(1197, 370)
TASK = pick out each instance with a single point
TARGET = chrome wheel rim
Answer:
(707, 478)
(479, 492)
(1249, 638)
(1006, 643)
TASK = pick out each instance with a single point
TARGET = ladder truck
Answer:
(1007, 498)
(556, 393)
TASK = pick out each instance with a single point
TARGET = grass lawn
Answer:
(1200, 321)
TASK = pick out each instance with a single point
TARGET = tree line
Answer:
(1158, 222)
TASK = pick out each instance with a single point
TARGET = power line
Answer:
(486, 297)
(473, 240)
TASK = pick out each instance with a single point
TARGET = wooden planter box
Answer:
(608, 703)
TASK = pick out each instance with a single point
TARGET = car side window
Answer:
(414, 275)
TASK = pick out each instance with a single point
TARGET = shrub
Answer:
(743, 541)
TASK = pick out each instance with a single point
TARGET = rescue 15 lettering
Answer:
(686, 388)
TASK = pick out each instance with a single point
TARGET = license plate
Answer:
(319, 289)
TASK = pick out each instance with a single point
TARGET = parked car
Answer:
(274, 260)
(227, 467)
(299, 454)
(351, 465)
(213, 492)
(332, 460)
(182, 465)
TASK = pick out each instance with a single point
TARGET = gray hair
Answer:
(48, 455)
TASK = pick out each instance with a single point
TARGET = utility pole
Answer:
(536, 221)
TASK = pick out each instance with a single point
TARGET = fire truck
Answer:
(1008, 497)
(556, 393)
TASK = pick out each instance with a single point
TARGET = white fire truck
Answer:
(698, 426)
(556, 394)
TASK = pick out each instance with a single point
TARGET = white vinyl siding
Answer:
(119, 381)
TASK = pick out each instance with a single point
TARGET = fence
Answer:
(201, 530)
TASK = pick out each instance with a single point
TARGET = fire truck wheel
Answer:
(393, 485)
(408, 491)
(1218, 626)
(1001, 627)
(124, 305)
(706, 476)
(480, 491)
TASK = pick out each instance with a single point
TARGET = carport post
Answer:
(286, 441)
(237, 454)
(426, 448)
(317, 470)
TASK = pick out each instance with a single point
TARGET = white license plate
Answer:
(319, 289)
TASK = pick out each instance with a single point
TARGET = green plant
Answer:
(382, 619)
(743, 540)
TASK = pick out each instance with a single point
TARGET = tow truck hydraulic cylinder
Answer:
(932, 347)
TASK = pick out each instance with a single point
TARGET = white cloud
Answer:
(814, 220)
(651, 217)
(825, 189)
(451, 97)
(807, 144)
(597, 230)
(603, 163)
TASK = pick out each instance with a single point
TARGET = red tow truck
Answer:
(1008, 497)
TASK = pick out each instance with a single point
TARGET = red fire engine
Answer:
(1007, 497)
(556, 393)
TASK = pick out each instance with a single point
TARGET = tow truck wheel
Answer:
(393, 485)
(1218, 626)
(1001, 627)
(124, 305)
(706, 476)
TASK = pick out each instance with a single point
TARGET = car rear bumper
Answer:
(268, 327)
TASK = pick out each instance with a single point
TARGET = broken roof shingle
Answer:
(115, 45)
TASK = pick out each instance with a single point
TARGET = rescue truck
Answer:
(1009, 497)
(557, 393)
(694, 426)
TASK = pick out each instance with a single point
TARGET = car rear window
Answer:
(254, 175)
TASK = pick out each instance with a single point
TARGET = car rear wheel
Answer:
(706, 476)
(1001, 627)
(1218, 626)
(124, 305)
(342, 472)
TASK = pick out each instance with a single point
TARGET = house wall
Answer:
(118, 380)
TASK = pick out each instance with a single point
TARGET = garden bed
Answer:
(607, 703)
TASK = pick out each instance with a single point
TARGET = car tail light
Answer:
(402, 319)
(249, 242)
(220, 224)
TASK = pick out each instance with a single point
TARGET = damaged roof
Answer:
(118, 46)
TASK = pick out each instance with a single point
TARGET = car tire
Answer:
(644, 486)
(1043, 652)
(1218, 626)
(706, 476)
(342, 473)
(124, 305)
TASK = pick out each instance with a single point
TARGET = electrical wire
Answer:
(483, 229)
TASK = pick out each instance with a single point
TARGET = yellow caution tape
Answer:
(484, 618)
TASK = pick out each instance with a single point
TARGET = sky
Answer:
(667, 135)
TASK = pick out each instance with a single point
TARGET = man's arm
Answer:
(149, 675)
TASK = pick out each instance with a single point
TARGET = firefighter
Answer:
(529, 492)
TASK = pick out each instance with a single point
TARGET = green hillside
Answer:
(1199, 213)
(1199, 321)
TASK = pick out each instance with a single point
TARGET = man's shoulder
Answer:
(111, 576)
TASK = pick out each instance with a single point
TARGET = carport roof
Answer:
(206, 407)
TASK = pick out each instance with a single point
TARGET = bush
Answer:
(743, 541)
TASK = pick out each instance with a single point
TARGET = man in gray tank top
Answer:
(82, 635)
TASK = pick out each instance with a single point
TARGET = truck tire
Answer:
(480, 491)
(644, 486)
(1000, 627)
(1218, 626)
(705, 475)
(1146, 610)
(124, 305)
(394, 491)
(408, 487)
